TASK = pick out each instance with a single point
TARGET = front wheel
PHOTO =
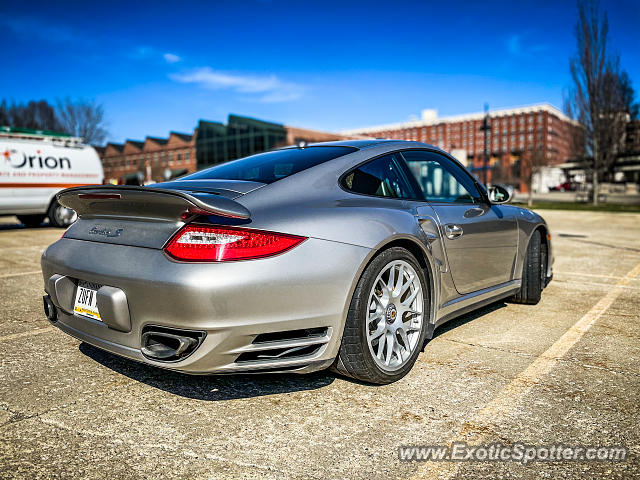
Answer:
(534, 271)
(387, 320)
(61, 216)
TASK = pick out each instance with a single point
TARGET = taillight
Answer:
(218, 244)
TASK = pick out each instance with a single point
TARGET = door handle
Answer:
(452, 231)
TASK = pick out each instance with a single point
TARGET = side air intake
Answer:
(284, 346)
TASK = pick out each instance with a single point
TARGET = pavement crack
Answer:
(489, 347)
(18, 416)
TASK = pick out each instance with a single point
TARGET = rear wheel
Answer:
(386, 325)
(61, 216)
(31, 220)
(534, 271)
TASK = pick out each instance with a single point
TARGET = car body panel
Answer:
(483, 255)
(212, 297)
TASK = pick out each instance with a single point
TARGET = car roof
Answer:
(364, 143)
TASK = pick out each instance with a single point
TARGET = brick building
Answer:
(515, 133)
(155, 159)
(211, 143)
(632, 137)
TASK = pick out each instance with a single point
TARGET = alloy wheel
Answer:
(395, 315)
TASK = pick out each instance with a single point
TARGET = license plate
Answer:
(86, 300)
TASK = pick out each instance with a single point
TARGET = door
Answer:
(480, 239)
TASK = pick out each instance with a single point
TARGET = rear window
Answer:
(271, 166)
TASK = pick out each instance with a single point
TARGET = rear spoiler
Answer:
(133, 201)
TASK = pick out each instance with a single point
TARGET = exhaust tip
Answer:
(168, 344)
(50, 309)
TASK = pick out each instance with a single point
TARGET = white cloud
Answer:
(270, 88)
(171, 58)
(516, 46)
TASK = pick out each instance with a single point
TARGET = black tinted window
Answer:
(441, 179)
(381, 177)
(271, 166)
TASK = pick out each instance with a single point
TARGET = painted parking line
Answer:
(595, 275)
(506, 401)
(29, 333)
(9, 275)
(595, 284)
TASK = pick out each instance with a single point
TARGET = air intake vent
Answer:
(291, 335)
(284, 346)
(279, 353)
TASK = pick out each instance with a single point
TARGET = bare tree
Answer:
(5, 117)
(38, 115)
(83, 118)
(596, 99)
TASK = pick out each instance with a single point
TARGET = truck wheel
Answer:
(31, 220)
(61, 216)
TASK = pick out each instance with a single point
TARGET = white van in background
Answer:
(35, 165)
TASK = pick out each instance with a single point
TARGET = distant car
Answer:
(35, 166)
(344, 254)
(564, 187)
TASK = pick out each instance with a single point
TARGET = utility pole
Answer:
(486, 128)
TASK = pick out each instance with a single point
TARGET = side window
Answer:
(382, 177)
(441, 180)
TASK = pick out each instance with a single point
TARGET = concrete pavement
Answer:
(509, 373)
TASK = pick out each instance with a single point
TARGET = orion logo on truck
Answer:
(21, 160)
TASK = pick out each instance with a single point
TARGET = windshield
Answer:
(271, 166)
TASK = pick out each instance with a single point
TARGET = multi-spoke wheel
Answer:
(61, 216)
(386, 325)
(395, 315)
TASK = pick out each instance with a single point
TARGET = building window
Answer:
(186, 156)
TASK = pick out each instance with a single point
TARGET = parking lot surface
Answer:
(563, 371)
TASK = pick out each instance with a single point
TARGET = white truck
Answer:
(35, 165)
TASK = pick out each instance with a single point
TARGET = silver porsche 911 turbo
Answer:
(342, 254)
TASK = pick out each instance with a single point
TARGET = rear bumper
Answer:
(234, 302)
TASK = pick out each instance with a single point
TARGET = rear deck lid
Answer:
(147, 216)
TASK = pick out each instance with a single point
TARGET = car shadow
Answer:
(231, 387)
(208, 387)
(20, 226)
(468, 317)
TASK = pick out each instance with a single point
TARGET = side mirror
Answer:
(500, 193)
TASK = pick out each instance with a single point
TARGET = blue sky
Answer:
(327, 65)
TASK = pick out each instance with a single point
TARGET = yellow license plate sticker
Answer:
(87, 300)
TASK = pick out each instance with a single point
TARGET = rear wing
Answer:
(147, 202)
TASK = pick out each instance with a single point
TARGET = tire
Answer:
(60, 216)
(31, 220)
(357, 355)
(534, 272)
